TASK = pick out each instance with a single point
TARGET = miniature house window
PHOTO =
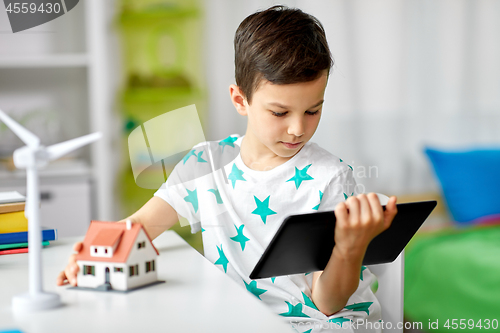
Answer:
(133, 270)
(150, 266)
(141, 245)
(119, 269)
(102, 251)
(88, 270)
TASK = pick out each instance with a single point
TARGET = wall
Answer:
(407, 74)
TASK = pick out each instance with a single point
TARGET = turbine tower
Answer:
(32, 157)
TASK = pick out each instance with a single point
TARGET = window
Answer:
(95, 249)
(105, 250)
(133, 270)
(119, 269)
(88, 270)
(141, 245)
(150, 266)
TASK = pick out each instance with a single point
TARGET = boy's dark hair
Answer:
(282, 45)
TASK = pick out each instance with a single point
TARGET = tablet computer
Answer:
(304, 242)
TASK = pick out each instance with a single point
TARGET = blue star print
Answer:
(188, 155)
(222, 259)
(252, 287)
(320, 198)
(300, 176)
(229, 141)
(236, 174)
(263, 209)
(240, 238)
(199, 157)
(294, 311)
(192, 198)
(217, 195)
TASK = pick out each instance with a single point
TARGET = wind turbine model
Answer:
(32, 157)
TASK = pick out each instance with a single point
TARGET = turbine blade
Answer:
(60, 149)
(30, 139)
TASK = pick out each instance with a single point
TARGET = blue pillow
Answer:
(470, 181)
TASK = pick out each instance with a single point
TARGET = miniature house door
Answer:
(107, 275)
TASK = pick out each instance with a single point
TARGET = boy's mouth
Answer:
(291, 145)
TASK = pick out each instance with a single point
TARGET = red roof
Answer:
(102, 233)
(107, 237)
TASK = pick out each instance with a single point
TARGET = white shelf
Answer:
(57, 169)
(60, 70)
(44, 61)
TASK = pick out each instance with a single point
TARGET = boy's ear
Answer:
(239, 100)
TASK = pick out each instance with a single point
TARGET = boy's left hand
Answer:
(360, 219)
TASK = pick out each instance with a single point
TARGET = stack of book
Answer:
(14, 225)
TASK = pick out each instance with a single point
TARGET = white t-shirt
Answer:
(239, 210)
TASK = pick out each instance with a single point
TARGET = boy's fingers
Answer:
(390, 211)
(341, 213)
(352, 204)
(70, 276)
(77, 246)
(364, 205)
(376, 207)
(71, 270)
(391, 208)
(60, 279)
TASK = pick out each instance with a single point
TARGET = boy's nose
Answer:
(296, 128)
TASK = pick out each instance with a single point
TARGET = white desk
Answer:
(197, 297)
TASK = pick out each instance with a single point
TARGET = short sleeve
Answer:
(340, 187)
(181, 190)
(194, 187)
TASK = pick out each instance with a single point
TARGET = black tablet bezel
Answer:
(304, 242)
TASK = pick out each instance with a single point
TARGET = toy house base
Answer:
(118, 291)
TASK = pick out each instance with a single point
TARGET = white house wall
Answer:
(118, 280)
(140, 257)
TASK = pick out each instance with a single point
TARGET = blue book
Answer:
(48, 234)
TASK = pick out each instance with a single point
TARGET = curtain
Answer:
(407, 74)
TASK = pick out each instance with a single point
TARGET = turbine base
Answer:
(41, 301)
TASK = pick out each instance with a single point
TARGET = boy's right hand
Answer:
(360, 219)
(71, 270)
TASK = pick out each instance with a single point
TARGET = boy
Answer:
(282, 63)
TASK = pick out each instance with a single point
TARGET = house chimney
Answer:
(129, 224)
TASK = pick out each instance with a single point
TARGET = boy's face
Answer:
(281, 118)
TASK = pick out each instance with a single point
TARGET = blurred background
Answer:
(408, 76)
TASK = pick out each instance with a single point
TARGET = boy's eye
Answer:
(312, 113)
(278, 114)
(281, 114)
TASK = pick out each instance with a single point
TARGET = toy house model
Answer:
(118, 256)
